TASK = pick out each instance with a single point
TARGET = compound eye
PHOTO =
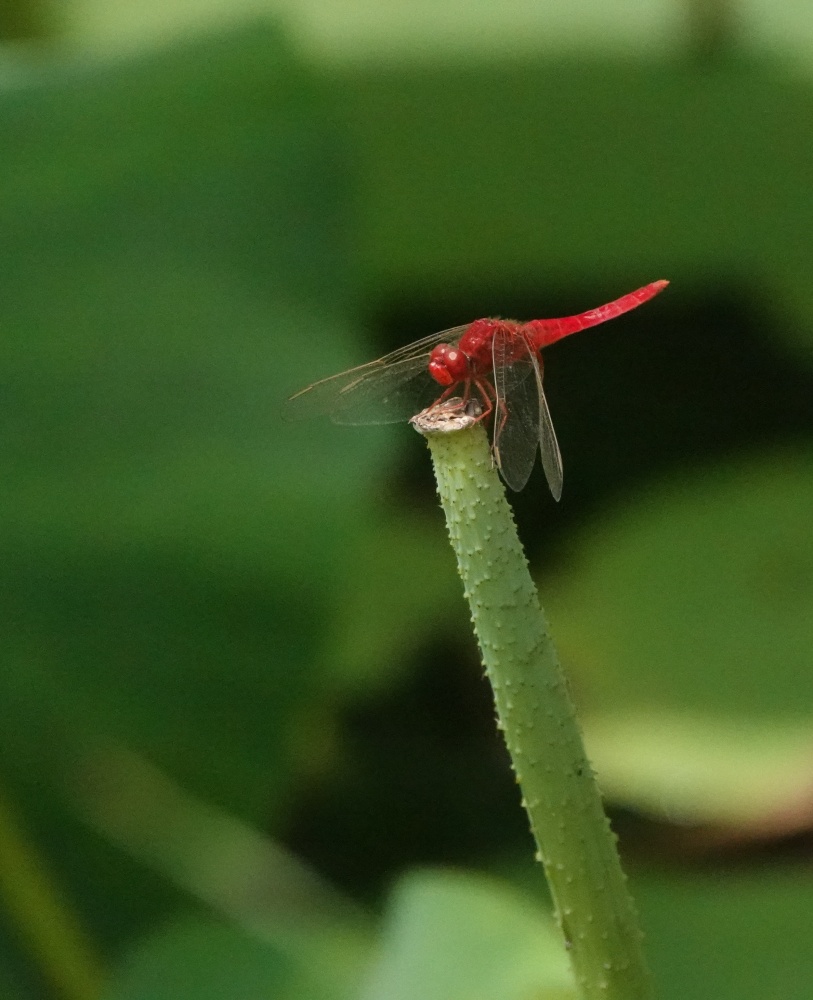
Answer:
(448, 364)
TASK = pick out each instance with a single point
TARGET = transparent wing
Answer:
(389, 390)
(549, 446)
(516, 409)
(522, 418)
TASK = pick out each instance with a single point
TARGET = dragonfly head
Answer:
(448, 365)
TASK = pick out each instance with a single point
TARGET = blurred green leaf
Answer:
(451, 936)
(345, 29)
(697, 595)
(358, 29)
(693, 769)
(497, 174)
(403, 591)
(173, 263)
(197, 960)
(12, 985)
(172, 235)
(24, 20)
(686, 615)
(209, 854)
(736, 935)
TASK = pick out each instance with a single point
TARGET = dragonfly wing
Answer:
(380, 396)
(389, 390)
(549, 446)
(516, 410)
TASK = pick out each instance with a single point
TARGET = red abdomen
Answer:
(547, 331)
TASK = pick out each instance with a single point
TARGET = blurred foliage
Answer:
(453, 937)
(721, 571)
(220, 628)
(172, 231)
(138, 291)
(757, 921)
(528, 173)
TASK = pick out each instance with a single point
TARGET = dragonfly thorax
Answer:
(448, 365)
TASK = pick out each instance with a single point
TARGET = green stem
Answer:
(50, 929)
(576, 846)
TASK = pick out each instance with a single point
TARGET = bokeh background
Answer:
(246, 749)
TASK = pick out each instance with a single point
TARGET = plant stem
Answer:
(42, 919)
(575, 844)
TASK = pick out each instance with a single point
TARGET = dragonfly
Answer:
(493, 366)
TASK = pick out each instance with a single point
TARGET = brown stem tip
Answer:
(453, 414)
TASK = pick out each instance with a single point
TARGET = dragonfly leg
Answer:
(460, 405)
(466, 397)
(486, 404)
(486, 401)
(485, 395)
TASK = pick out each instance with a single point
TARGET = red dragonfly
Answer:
(496, 362)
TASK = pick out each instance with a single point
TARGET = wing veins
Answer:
(335, 392)
(548, 445)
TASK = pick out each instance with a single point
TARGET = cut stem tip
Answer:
(447, 416)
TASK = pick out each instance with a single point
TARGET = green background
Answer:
(245, 745)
